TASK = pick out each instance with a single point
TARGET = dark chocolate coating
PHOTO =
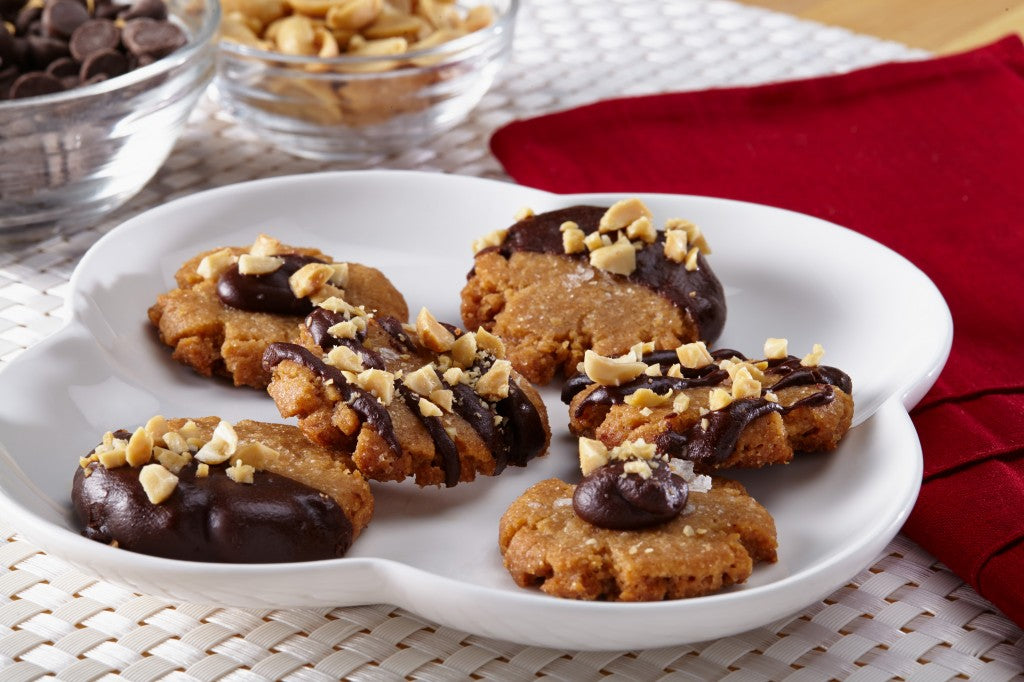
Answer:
(706, 305)
(610, 498)
(364, 403)
(321, 320)
(717, 442)
(274, 519)
(268, 293)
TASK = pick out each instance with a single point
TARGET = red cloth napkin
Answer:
(926, 157)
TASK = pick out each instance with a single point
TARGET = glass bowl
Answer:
(352, 108)
(70, 157)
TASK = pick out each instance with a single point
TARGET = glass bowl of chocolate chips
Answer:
(93, 96)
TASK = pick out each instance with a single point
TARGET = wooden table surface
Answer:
(940, 26)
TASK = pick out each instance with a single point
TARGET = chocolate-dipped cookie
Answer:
(640, 526)
(717, 409)
(232, 303)
(556, 284)
(206, 490)
(431, 401)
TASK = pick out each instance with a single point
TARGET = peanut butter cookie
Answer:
(718, 409)
(206, 490)
(556, 284)
(585, 542)
(232, 303)
(428, 401)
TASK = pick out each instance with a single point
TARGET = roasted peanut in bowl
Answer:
(353, 79)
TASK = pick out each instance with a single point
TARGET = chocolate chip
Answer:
(152, 38)
(43, 50)
(9, 8)
(63, 68)
(94, 35)
(57, 45)
(8, 53)
(25, 20)
(34, 84)
(61, 18)
(153, 9)
(108, 10)
(108, 62)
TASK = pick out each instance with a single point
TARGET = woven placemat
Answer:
(904, 617)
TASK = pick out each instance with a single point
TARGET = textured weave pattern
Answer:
(905, 617)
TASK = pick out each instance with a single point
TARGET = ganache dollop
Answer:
(609, 497)
(269, 293)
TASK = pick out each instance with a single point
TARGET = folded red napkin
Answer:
(926, 157)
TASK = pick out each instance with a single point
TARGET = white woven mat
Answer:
(905, 617)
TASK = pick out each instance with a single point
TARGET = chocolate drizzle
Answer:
(610, 498)
(274, 519)
(394, 329)
(708, 375)
(714, 444)
(698, 292)
(269, 293)
(321, 320)
(517, 438)
(364, 403)
(444, 447)
(522, 425)
(610, 395)
(795, 374)
(468, 404)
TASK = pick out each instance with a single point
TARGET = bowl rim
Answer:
(183, 55)
(502, 26)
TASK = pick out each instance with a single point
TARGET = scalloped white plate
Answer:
(434, 551)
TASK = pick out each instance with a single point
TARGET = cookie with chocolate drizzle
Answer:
(556, 284)
(717, 409)
(231, 303)
(640, 526)
(430, 401)
(207, 490)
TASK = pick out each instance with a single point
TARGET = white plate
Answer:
(434, 551)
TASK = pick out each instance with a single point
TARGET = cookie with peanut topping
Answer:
(207, 490)
(427, 401)
(718, 409)
(557, 284)
(231, 303)
(639, 527)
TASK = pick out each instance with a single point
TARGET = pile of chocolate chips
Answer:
(57, 45)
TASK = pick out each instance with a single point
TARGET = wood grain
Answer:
(940, 26)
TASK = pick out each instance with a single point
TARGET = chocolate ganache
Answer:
(269, 293)
(698, 291)
(212, 518)
(610, 498)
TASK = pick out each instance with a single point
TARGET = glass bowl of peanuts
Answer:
(351, 80)
(93, 97)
